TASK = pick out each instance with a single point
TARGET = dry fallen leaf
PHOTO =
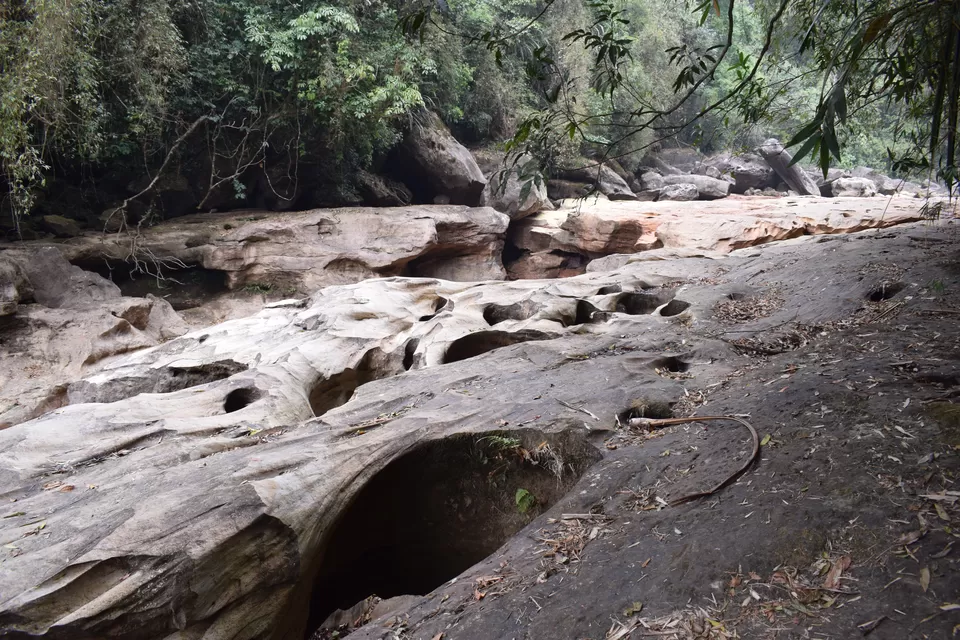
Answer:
(439, 636)
(832, 581)
(925, 579)
(911, 536)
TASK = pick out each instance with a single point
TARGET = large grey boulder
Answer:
(853, 188)
(604, 178)
(380, 191)
(708, 188)
(432, 155)
(506, 191)
(682, 191)
(651, 181)
(794, 176)
(14, 286)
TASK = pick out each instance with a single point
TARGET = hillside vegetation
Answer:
(278, 104)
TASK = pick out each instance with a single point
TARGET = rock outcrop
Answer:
(563, 242)
(506, 185)
(247, 480)
(75, 321)
(14, 286)
(793, 175)
(306, 250)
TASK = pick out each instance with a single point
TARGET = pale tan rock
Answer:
(200, 498)
(306, 250)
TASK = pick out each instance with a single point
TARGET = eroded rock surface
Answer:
(550, 242)
(220, 507)
(306, 250)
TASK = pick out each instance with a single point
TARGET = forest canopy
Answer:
(248, 101)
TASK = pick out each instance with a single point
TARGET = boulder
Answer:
(432, 161)
(853, 188)
(565, 189)
(681, 191)
(14, 286)
(604, 178)
(708, 188)
(651, 180)
(749, 171)
(684, 159)
(56, 283)
(61, 227)
(655, 162)
(504, 196)
(794, 176)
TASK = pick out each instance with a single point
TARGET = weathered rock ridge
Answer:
(205, 488)
(306, 250)
(562, 242)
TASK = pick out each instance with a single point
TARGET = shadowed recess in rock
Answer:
(433, 513)
(184, 286)
(165, 380)
(240, 398)
(636, 304)
(519, 311)
(336, 390)
(481, 342)
(674, 308)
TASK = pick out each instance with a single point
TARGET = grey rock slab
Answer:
(794, 176)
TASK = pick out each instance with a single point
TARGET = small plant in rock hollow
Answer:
(525, 500)
(937, 288)
(501, 443)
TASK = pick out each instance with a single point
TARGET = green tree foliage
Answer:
(222, 91)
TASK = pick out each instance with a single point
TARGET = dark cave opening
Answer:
(434, 512)
(185, 287)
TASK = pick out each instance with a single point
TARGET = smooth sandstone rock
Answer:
(213, 509)
(307, 250)
(14, 286)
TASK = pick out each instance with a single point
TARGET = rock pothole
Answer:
(885, 291)
(519, 311)
(475, 344)
(333, 391)
(635, 303)
(438, 510)
(240, 399)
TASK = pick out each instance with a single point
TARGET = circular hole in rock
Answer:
(885, 291)
(240, 398)
(481, 342)
(433, 513)
(636, 304)
(587, 313)
(646, 409)
(736, 296)
(674, 307)
(519, 311)
(672, 364)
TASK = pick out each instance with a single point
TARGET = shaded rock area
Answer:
(66, 321)
(434, 165)
(562, 242)
(331, 449)
(302, 251)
